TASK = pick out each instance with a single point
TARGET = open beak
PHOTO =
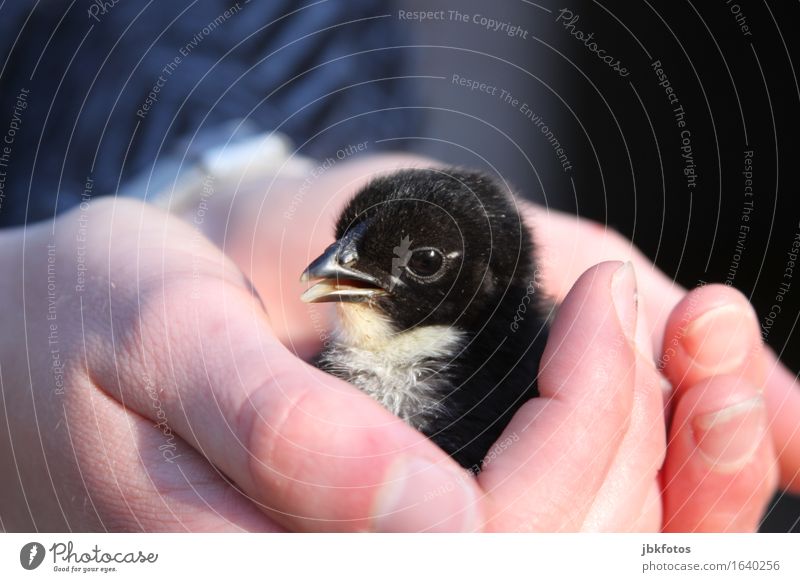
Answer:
(338, 282)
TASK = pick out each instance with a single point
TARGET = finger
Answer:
(314, 452)
(783, 407)
(712, 331)
(720, 470)
(566, 440)
(630, 497)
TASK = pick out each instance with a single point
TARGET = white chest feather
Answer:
(406, 372)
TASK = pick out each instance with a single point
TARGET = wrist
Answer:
(11, 284)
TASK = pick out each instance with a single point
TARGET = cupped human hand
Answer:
(295, 215)
(272, 218)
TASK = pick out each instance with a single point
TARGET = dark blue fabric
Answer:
(88, 76)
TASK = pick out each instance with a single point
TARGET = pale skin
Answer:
(183, 405)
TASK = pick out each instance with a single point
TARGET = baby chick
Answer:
(439, 313)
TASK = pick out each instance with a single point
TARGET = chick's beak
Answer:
(338, 280)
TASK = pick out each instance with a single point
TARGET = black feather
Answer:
(488, 290)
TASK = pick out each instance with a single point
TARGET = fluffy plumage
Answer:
(440, 317)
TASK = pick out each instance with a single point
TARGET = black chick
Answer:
(440, 318)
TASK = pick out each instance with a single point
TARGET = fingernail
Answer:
(666, 398)
(644, 342)
(666, 389)
(717, 340)
(422, 496)
(728, 438)
(623, 294)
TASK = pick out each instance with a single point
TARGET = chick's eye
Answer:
(425, 262)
